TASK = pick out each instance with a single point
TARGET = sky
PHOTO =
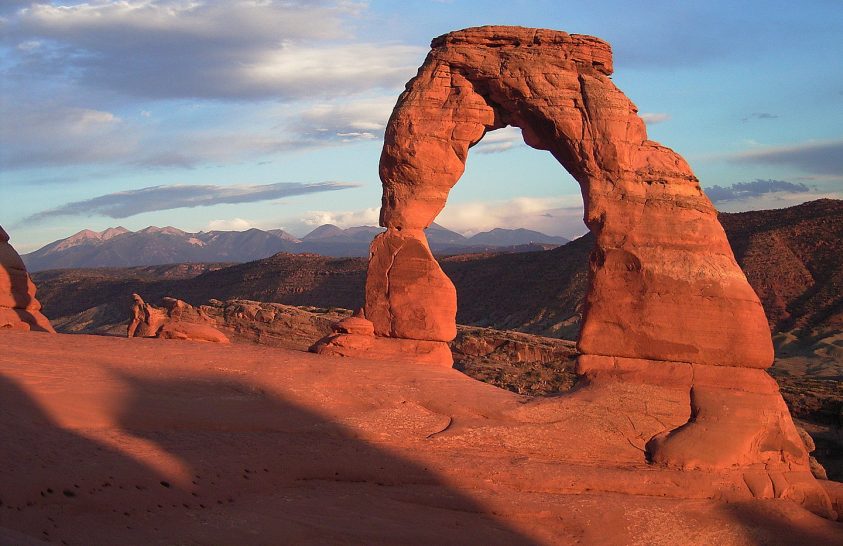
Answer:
(203, 114)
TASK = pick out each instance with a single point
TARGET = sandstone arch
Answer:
(665, 285)
(668, 312)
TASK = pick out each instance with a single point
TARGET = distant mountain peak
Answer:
(167, 230)
(518, 236)
(84, 237)
(112, 232)
(323, 232)
(284, 235)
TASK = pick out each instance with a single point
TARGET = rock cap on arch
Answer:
(580, 48)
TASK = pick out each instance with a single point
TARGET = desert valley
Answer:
(673, 376)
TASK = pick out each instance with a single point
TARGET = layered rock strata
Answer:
(19, 308)
(667, 302)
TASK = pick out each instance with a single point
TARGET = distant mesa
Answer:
(19, 308)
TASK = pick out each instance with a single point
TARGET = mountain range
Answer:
(119, 247)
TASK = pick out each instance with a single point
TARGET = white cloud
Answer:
(234, 49)
(167, 197)
(232, 224)
(652, 118)
(56, 134)
(498, 141)
(823, 158)
(298, 71)
(360, 119)
(127, 53)
(343, 219)
(551, 215)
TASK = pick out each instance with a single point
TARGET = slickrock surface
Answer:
(19, 309)
(140, 441)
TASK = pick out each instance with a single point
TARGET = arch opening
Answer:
(496, 191)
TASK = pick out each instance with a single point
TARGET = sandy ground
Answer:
(145, 441)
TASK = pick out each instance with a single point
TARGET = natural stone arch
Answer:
(670, 319)
(664, 282)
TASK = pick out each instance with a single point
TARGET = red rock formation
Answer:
(19, 309)
(355, 337)
(661, 254)
(667, 303)
(175, 320)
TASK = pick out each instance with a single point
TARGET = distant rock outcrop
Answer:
(19, 309)
(174, 320)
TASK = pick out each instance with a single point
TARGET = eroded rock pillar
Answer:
(19, 309)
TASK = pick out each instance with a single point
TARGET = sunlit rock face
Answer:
(665, 285)
(19, 309)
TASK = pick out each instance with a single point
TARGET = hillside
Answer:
(794, 260)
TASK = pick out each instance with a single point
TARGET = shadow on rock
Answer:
(262, 471)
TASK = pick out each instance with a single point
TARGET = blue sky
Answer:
(230, 114)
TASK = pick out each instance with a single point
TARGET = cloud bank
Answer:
(747, 190)
(82, 81)
(822, 158)
(236, 49)
(652, 118)
(129, 203)
(499, 141)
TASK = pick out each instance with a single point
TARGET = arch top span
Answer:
(664, 281)
(579, 48)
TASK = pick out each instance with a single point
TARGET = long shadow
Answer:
(47, 471)
(263, 471)
(780, 523)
